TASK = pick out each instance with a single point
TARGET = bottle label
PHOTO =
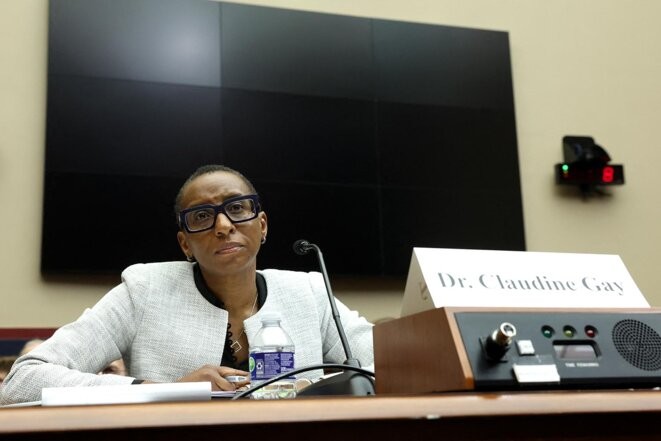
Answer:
(265, 365)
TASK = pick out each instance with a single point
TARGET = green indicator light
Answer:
(565, 168)
(547, 331)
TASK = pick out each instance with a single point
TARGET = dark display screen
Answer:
(344, 124)
(575, 352)
(574, 174)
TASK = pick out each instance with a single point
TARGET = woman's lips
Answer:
(229, 248)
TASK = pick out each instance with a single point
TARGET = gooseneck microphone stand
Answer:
(348, 382)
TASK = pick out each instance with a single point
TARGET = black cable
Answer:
(343, 367)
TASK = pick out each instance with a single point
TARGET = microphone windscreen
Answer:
(301, 247)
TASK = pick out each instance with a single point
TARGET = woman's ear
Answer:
(183, 244)
(263, 221)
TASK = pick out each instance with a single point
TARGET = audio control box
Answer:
(454, 349)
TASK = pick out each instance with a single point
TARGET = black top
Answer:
(229, 359)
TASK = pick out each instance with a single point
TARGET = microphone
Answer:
(302, 247)
(349, 382)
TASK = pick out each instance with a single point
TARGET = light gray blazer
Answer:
(162, 326)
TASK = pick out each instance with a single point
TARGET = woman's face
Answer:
(227, 248)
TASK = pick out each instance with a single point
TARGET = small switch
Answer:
(525, 347)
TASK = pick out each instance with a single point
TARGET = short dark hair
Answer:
(203, 170)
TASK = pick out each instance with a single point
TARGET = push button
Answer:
(525, 347)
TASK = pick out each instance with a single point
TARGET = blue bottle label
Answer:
(264, 365)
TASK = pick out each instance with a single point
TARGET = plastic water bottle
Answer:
(272, 353)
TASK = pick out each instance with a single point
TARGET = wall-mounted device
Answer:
(455, 349)
(586, 165)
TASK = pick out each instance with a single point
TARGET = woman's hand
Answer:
(216, 375)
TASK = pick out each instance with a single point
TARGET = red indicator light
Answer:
(590, 331)
(607, 174)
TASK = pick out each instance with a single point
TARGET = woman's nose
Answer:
(223, 224)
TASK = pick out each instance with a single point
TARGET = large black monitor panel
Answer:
(367, 137)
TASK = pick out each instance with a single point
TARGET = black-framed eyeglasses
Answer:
(203, 217)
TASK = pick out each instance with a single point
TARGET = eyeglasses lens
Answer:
(200, 219)
(240, 210)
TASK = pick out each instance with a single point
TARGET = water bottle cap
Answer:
(270, 317)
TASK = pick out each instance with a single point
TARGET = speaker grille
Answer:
(639, 344)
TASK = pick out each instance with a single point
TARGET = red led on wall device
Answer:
(573, 174)
(586, 164)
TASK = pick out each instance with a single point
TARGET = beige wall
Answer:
(589, 68)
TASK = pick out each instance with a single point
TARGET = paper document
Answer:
(25, 404)
(124, 394)
(223, 393)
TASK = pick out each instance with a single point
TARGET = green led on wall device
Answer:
(587, 165)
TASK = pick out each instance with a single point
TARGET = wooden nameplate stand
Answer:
(421, 353)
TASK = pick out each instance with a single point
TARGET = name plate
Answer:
(452, 277)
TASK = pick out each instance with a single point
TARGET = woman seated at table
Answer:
(193, 321)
